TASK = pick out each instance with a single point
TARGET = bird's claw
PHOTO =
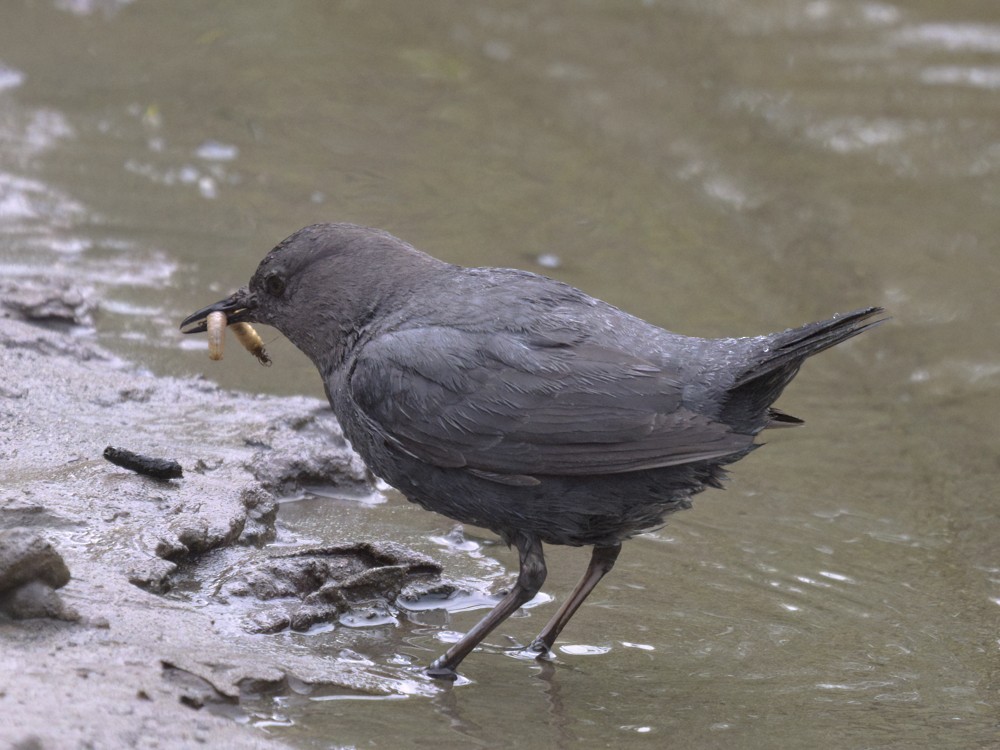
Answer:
(540, 649)
(438, 672)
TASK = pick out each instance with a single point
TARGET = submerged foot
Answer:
(540, 649)
(439, 672)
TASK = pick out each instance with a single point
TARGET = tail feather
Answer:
(775, 363)
(778, 418)
(793, 346)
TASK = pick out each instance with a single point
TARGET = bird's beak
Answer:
(238, 308)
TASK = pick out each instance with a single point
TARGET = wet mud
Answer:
(98, 563)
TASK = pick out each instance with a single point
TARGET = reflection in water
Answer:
(450, 704)
(447, 703)
(558, 717)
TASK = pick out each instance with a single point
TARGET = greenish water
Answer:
(717, 167)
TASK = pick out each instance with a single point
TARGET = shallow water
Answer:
(720, 168)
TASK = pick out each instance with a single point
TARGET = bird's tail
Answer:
(792, 347)
(777, 361)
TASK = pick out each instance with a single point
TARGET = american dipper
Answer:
(511, 401)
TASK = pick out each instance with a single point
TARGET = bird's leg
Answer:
(529, 581)
(601, 561)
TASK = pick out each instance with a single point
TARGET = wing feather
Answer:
(510, 406)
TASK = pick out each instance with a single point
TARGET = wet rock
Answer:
(199, 535)
(308, 449)
(417, 591)
(42, 302)
(195, 531)
(319, 585)
(262, 511)
(171, 548)
(152, 574)
(30, 572)
(264, 683)
(26, 556)
(195, 691)
(36, 599)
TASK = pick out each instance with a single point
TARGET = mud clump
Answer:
(317, 585)
(30, 572)
(300, 450)
(43, 302)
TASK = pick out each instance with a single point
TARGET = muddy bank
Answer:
(98, 650)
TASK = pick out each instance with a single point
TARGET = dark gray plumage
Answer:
(514, 402)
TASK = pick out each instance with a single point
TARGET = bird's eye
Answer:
(274, 285)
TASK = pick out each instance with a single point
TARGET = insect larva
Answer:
(251, 341)
(215, 325)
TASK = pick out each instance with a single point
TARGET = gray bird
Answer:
(507, 400)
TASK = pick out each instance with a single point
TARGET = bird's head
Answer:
(322, 284)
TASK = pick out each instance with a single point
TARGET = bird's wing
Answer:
(514, 406)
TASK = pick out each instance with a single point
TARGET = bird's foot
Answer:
(540, 649)
(439, 672)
